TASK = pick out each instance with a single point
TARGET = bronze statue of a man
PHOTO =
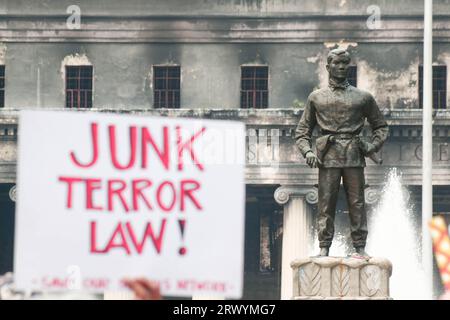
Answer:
(340, 111)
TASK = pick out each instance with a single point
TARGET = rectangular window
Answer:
(439, 87)
(166, 86)
(2, 86)
(79, 86)
(352, 75)
(254, 87)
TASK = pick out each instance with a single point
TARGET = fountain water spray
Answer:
(393, 234)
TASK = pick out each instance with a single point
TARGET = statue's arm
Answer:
(305, 127)
(377, 122)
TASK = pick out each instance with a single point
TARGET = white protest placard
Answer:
(102, 197)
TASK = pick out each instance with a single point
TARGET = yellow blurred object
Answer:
(441, 247)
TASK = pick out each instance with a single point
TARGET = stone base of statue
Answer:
(337, 278)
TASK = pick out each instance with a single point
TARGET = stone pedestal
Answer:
(338, 278)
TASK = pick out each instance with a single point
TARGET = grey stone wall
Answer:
(210, 72)
(215, 7)
(210, 40)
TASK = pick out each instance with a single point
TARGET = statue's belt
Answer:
(344, 136)
(327, 138)
(324, 142)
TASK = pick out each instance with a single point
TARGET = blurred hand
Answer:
(143, 289)
(312, 160)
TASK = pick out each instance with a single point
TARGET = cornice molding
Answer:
(405, 120)
(220, 28)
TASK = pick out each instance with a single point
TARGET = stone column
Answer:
(296, 229)
(13, 193)
(372, 195)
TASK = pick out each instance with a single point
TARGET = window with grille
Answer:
(352, 75)
(2, 86)
(439, 87)
(254, 87)
(166, 86)
(79, 86)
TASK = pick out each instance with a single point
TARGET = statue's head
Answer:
(338, 61)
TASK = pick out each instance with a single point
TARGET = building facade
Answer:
(254, 61)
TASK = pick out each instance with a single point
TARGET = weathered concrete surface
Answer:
(211, 40)
(336, 278)
(217, 7)
(210, 73)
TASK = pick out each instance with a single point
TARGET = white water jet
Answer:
(394, 235)
(342, 245)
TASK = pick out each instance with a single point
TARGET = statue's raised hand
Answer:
(312, 160)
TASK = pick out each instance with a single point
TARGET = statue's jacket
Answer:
(340, 111)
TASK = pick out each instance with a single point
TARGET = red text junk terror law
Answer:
(135, 194)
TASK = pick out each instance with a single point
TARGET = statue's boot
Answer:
(324, 251)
